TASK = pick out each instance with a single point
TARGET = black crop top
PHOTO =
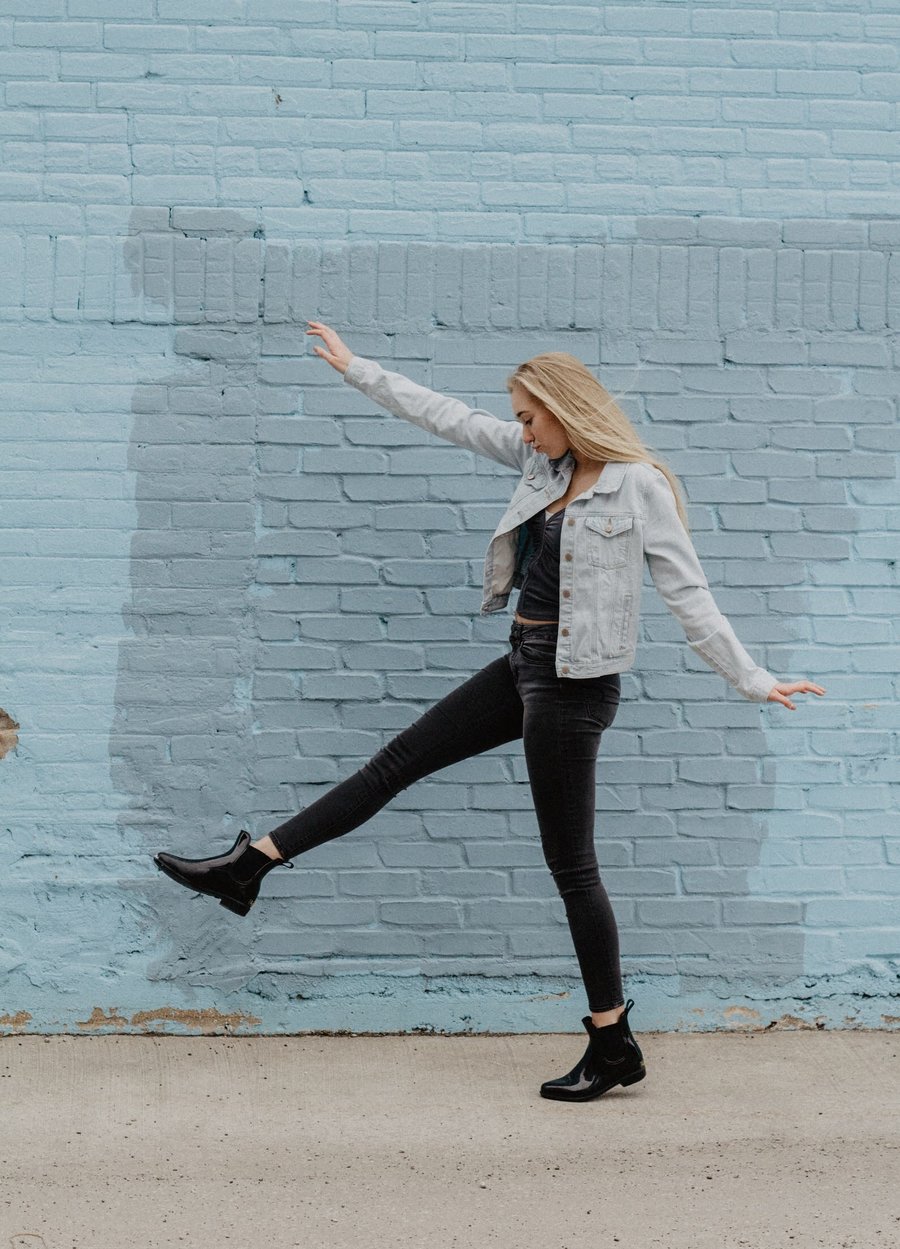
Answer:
(539, 597)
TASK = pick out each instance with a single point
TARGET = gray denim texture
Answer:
(561, 724)
(627, 517)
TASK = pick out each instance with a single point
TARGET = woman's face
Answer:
(539, 426)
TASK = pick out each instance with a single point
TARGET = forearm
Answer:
(681, 582)
(448, 418)
(724, 653)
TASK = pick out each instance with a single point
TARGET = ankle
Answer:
(267, 846)
(603, 1018)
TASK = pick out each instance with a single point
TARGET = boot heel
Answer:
(634, 1077)
(239, 908)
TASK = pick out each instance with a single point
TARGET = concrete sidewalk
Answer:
(781, 1139)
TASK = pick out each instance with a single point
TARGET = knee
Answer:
(383, 772)
(574, 877)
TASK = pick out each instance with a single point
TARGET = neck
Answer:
(589, 466)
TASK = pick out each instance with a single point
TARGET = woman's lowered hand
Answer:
(336, 352)
(779, 693)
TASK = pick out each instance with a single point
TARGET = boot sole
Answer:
(589, 1094)
(231, 904)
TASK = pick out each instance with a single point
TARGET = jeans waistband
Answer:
(519, 631)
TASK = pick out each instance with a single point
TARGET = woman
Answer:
(591, 505)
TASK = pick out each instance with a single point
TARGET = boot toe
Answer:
(176, 868)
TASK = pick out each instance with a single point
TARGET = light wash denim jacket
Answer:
(627, 516)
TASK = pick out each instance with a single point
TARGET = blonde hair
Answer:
(596, 426)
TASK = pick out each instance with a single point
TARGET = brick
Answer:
(49, 94)
(146, 35)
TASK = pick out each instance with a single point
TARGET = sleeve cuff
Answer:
(355, 370)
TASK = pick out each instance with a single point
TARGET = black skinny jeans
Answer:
(561, 721)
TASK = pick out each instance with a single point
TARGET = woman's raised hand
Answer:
(779, 692)
(336, 352)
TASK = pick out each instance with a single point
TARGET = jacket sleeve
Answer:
(472, 428)
(683, 587)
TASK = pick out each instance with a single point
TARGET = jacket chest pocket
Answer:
(609, 540)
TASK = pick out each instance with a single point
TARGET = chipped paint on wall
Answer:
(99, 1018)
(741, 1015)
(206, 1021)
(9, 738)
(16, 1021)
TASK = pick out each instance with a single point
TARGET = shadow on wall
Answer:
(184, 745)
(183, 715)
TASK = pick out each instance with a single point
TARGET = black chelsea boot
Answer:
(612, 1057)
(234, 878)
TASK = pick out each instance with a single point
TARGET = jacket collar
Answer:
(612, 477)
(609, 480)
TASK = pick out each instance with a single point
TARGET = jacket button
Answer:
(568, 554)
(608, 526)
(566, 594)
(564, 632)
(565, 668)
(571, 521)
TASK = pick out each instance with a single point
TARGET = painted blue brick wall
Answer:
(227, 578)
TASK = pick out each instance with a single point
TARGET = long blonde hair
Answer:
(596, 426)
